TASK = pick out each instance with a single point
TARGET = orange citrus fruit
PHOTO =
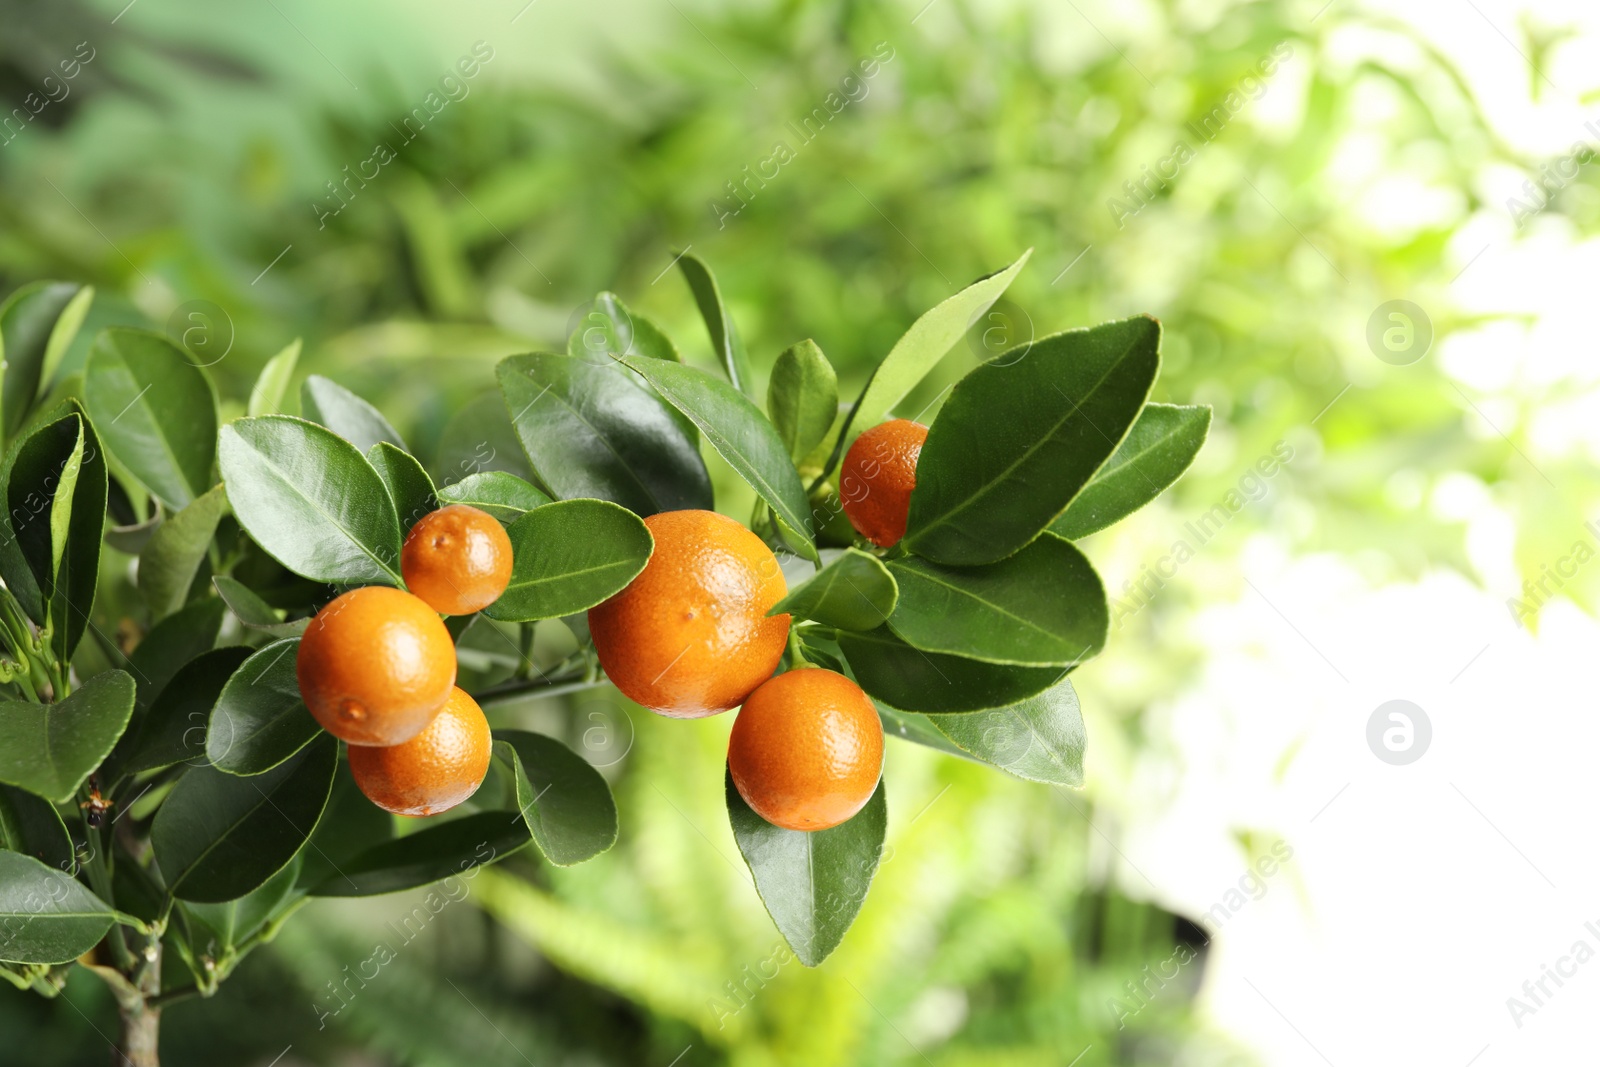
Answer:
(434, 771)
(807, 749)
(374, 665)
(690, 635)
(877, 477)
(457, 559)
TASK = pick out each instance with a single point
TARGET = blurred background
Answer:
(1369, 230)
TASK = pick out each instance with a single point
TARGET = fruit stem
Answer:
(797, 658)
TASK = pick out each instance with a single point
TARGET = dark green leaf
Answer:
(266, 396)
(259, 719)
(174, 729)
(570, 556)
(1041, 738)
(505, 496)
(854, 592)
(222, 927)
(351, 825)
(255, 612)
(1042, 607)
(37, 323)
(409, 485)
(919, 729)
(813, 884)
(156, 410)
(330, 404)
(1018, 438)
(40, 477)
(46, 916)
(434, 853)
(174, 641)
(479, 438)
(1156, 452)
(610, 329)
(739, 432)
(596, 431)
(802, 397)
(725, 340)
(168, 563)
(78, 568)
(31, 825)
(567, 805)
(930, 682)
(218, 836)
(49, 749)
(311, 500)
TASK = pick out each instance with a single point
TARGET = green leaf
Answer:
(31, 825)
(922, 346)
(1043, 607)
(1041, 738)
(228, 924)
(351, 825)
(49, 749)
(46, 916)
(739, 432)
(610, 329)
(854, 592)
(802, 397)
(1017, 440)
(255, 612)
(725, 340)
(1156, 452)
(330, 404)
(918, 729)
(173, 730)
(259, 719)
(812, 883)
(266, 396)
(130, 540)
(168, 563)
(156, 410)
(505, 496)
(597, 432)
(37, 323)
(565, 801)
(479, 438)
(174, 641)
(77, 553)
(41, 476)
(218, 836)
(409, 485)
(570, 556)
(910, 679)
(312, 501)
(434, 853)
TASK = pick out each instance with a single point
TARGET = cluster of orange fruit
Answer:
(688, 637)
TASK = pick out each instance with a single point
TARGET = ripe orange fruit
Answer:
(457, 559)
(877, 477)
(690, 635)
(374, 665)
(807, 749)
(434, 771)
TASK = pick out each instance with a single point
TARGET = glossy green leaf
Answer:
(802, 397)
(918, 729)
(259, 719)
(49, 749)
(409, 485)
(477, 439)
(910, 679)
(173, 730)
(812, 883)
(217, 928)
(254, 612)
(131, 539)
(566, 803)
(31, 825)
(611, 329)
(330, 404)
(168, 563)
(1042, 607)
(173, 642)
(437, 852)
(46, 915)
(570, 556)
(155, 410)
(739, 432)
(1019, 437)
(1041, 738)
(311, 500)
(37, 323)
(596, 431)
(272, 384)
(505, 496)
(854, 592)
(218, 836)
(1156, 452)
(921, 347)
(725, 340)
(351, 825)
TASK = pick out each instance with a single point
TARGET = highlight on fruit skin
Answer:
(876, 479)
(457, 559)
(690, 636)
(806, 750)
(435, 770)
(374, 666)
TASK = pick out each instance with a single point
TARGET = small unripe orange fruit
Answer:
(457, 559)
